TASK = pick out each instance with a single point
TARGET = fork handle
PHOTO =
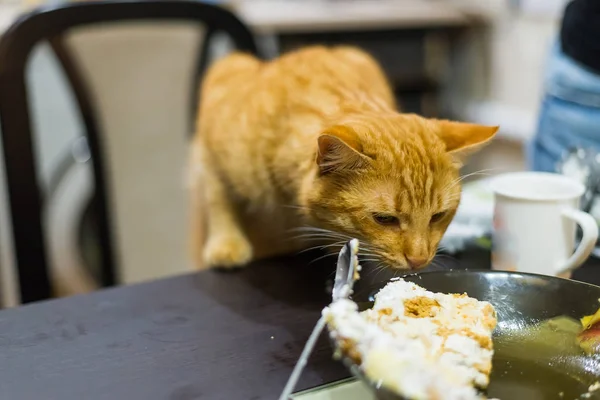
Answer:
(308, 348)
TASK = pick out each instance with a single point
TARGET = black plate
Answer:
(525, 366)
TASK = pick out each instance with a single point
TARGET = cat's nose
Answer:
(416, 262)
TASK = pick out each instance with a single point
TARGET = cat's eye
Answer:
(386, 219)
(437, 217)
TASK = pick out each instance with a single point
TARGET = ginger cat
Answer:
(313, 139)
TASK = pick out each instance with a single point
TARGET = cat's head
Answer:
(392, 181)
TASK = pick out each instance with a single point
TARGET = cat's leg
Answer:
(216, 237)
(226, 243)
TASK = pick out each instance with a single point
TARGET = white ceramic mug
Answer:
(535, 218)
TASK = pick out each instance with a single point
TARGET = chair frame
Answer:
(24, 193)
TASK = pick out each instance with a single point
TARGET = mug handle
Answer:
(589, 227)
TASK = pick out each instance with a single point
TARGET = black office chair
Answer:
(57, 26)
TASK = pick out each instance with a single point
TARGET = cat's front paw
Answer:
(228, 251)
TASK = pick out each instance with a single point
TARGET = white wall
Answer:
(498, 75)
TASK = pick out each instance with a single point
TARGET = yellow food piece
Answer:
(590, 320)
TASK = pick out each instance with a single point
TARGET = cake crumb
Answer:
(385, 311)
(420, 307)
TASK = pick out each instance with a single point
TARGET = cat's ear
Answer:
(339, 149)
(463, 138)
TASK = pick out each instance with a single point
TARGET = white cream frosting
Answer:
(436, 356)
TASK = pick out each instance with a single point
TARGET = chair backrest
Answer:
(137, 124)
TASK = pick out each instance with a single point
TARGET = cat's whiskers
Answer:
(323, 240)
(339, 244)
(313, 233)
(458, 181)
(371, 250)
(322, 257)
(337, 239)
(366, 248)
(372, 260)
(379, 268)
(481, 172)
(448, 256)
(370, 256)
(434, 263)
(442, 251)
(398, 272)
(313, 236)
(369, 259)
(319, 230)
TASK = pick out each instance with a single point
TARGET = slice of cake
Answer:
(419, 344)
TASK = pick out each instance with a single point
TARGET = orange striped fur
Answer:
(313, 139)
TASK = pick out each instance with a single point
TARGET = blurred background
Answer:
(474, 60)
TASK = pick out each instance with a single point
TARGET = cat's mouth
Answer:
(406, 263)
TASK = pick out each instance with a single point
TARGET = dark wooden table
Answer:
(208, 335)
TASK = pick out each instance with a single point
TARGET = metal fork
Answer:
(347, 267)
